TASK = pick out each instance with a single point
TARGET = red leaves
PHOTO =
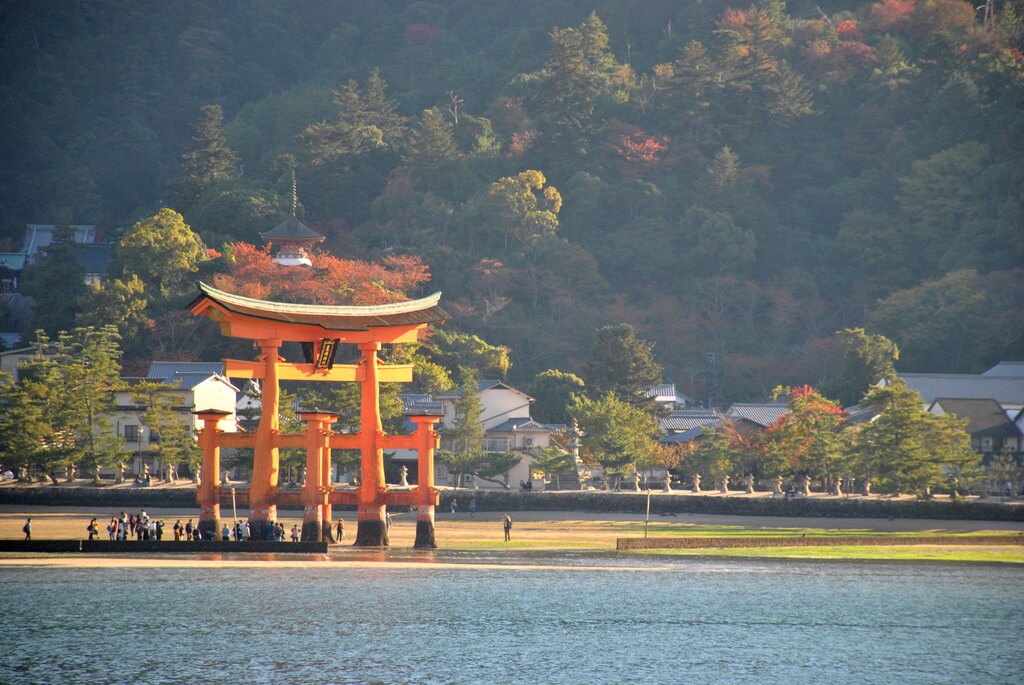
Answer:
(253, 273)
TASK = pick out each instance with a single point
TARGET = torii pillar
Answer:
(208, 494)
(371, 512)
(316, 524)
(426, 494)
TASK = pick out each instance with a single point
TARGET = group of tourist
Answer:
(124, 526)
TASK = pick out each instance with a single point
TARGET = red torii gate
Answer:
(322, 328)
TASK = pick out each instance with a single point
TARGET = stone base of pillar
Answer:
(371, 533)
(312, 531)
(425, 534)
(258, 529)
(328, 532)
(209, 527)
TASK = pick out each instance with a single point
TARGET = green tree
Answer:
(895, 451)
(209, 160)
(431, 147)
(170, 437)
(89, 368)
(937, 325)
(553, 391)
(622, 363)
(617, 435)
(366, 120)
(714, 457)
(553, 460)
(521, 210)
(811, 434)
(467, 431)
(121, 303)
(163, 251)
(33, 433)
(868, 359)
(56, 281)
(454, 350)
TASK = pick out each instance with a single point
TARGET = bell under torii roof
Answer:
(247, 317)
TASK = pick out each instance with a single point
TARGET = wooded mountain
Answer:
(742, 180)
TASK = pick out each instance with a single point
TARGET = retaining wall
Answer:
(162, 547)
(590, 501)
(626, 544)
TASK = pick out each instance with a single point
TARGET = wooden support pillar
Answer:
(371, 530)
(426, 495)
(314, 495)
(265, 466)
(208, 494)
(326, 511)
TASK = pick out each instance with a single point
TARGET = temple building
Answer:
(291, 242)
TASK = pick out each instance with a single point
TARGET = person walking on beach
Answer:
(340, 528)
(472, 507)
(188, 530)
(27, 529)
(93, 528)
(507, 525)
(177, 530)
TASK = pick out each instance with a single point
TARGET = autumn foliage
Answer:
(253, 273)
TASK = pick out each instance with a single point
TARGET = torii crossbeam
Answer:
(321, 328)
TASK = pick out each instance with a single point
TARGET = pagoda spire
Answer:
(292, 239)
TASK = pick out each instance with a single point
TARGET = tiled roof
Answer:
(482, 385)
(764, 414)
(985, 418)
(187, 374)
(292, 228)
(527, 425)
(686, 419)
(94, 258)
(40, 235)
(421, 404)
(1011, 369)
(1003, 389)
(685, 436)
(15, 261)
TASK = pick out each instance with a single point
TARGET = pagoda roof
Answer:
(327, 317)
(292, 229)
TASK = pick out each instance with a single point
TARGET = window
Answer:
(529, 442)
(131, 433)
(496, 445)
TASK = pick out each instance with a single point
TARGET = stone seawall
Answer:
(162, 547)
(627, 544)
(589, 501)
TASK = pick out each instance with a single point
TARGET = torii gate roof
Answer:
(231, 308)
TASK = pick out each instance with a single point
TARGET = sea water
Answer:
(514, 618)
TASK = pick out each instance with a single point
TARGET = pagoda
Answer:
(292, 239)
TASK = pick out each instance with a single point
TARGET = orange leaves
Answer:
(253, 273)
(892, 13)
(847, 30)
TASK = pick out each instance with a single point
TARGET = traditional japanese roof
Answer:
(421, 404)
(764, 414)
(526, 425)
(328, 317)
(187, 375)
(292, 230)
(985, 418)
(1006, 369)
(40, 235)
(1006, 390)
(685, 436)
(686, 419)
(482, 385)
(667, 392)
(15, 261)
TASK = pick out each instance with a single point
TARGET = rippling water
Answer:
(600, 619)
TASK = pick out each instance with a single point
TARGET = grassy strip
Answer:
(697, 530)
(987, 554)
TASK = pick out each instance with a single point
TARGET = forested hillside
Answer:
(737, 181)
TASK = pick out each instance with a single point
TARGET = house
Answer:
(687, 424)
(12, 359)
(92, 256)
(198, 386)
(1002, 383)
(666, 396)
(505, 416)
(991, 430)
(761, 415)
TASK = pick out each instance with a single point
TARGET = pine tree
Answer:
(209, 160)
